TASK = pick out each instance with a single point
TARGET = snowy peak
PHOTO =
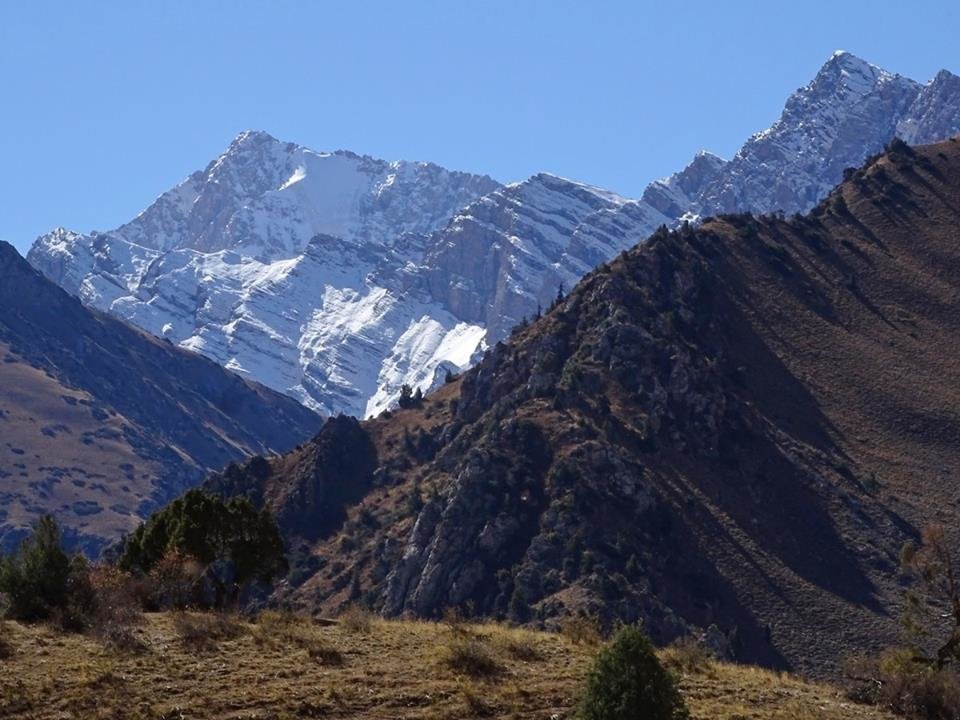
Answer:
(845, 71)
(849, 111)
(286, 265)
(935, 114)
(267, 198)
(843, 81)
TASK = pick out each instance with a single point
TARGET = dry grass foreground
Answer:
(208, 666)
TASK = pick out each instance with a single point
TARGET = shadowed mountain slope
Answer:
(101, 422)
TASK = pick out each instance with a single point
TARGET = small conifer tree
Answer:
(36, 577)
(627, 682)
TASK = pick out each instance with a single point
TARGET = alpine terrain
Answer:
(338, 278)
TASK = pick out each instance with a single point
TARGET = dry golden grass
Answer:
(282, 667)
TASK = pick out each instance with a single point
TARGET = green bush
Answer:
(35, 579)
(229, 535)
(628, 682)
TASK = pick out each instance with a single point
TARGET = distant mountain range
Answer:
(100, 423)
(337, 278)
(848, 112)
(734, 425)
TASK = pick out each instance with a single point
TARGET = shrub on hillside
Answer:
(898, 682)
(80, 603)
(35, 578)
(356, 619)
(174, 582)
(473, 657)
(581, 630)
(116, 609)
(688, 656)
(201, 631)
(627, 681)
(234, 543)
(933, 565)
(521, 645)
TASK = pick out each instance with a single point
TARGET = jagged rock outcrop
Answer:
(933, 115)
(510, 251)
(847, 113)
(334, 472)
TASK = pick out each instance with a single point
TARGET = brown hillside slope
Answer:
(100, 422)
(285, 667)
(737, 425)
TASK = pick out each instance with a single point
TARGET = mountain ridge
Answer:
(734, 425)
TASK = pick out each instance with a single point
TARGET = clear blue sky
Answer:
(105, 105)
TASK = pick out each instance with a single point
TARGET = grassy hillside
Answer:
(201, 666)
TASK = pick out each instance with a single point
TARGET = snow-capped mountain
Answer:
(847, 113)
(337, 278)
(272, 260)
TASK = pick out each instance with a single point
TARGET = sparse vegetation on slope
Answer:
(103, 423)
(280, 667)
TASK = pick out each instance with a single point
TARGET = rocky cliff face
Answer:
(933, 115)
(724, 426)
(101, 422)
(510, 251)
(288, 266)
(337, 278)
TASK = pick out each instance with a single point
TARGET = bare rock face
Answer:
(934, 115)
(333, 473)
(290, 266)
(511, 250)
(674, 196)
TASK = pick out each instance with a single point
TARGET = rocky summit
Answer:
(849, 111)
